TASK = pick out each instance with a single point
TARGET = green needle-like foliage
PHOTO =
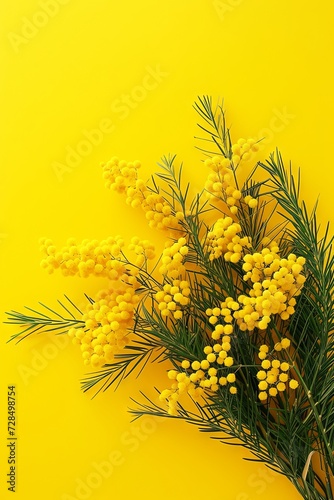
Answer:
(291, 431)
(47, 321)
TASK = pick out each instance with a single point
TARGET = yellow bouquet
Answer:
(239, 302)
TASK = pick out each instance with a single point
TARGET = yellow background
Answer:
(66, 72)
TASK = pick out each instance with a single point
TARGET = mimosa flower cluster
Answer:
(108, 322)
(274, 375)
(172, 259)
(88, 258)
(237, 306)
(122, 177)
(224, 239)
(221, 183)
(275, 283)
(173, 297)
(110, 318)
